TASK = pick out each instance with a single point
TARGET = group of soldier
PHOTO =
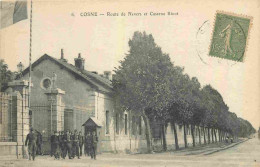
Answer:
(63, 144)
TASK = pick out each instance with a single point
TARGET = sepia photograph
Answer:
(125, 83)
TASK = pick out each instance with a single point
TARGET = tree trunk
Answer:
(185, 136)
(208, 136)
(147, 131)
(215, 136)
(219, 135)
(212, 135)
(224, 135)
(175, 136)
(164, 138)
(199, 135)
(204, 135)
(192, 134)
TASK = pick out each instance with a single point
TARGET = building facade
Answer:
(64, 96)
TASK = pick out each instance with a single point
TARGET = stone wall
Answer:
(6, 118)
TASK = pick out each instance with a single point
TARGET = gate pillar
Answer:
(21, 110)
(56, 105)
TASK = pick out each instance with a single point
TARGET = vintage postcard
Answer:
(132, 83)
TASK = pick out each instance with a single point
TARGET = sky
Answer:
(103, 41)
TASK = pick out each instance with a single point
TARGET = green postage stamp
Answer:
(230, 36)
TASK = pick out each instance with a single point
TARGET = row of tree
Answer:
(148, 82)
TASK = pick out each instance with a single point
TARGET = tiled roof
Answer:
(93, 79)
(92, 121)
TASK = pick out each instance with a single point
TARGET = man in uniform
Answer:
(52, 143)
(64, 137)
(88, 144)
(39, 143)
(94, 145)
(61, 139)
(31, 139)
(56, 144)
(67, 145)
(75, 146)
(81, 142)
(71, 145)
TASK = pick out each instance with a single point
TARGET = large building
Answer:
(65, 96)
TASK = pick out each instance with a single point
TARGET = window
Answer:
(107, 122)
(126, 130)
(46, 83)
(140, 125)
(117, 123)
(133, 125)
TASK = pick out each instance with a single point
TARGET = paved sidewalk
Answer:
(190, 151)
(244, 155)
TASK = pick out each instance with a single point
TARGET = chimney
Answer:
(62, 56)
(79, 62)
(108, 75)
